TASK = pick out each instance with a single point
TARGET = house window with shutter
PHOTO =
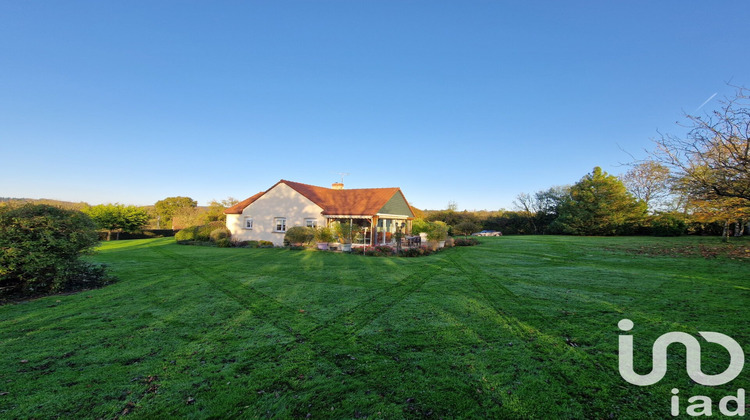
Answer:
(249, 223)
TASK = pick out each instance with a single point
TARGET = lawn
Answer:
(517, 327)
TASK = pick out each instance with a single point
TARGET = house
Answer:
(268, 214)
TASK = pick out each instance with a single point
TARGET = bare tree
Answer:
(649, 182)
(541, 208)
(528, 205)
(713, 160)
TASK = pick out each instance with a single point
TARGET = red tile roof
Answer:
(237, 208)
(352, 202)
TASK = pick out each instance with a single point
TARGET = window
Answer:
(279, 224)
(249, 223)
(311, 223)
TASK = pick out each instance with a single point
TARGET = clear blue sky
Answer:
(472, 101)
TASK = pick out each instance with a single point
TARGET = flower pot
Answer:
(441, 244)
(423, 236)
(323, 246)
(346, 247)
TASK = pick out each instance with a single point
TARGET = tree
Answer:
(649, 182)
(541, 209)
(188, 216)
(117, 218)
(466, 228)
(215, 211)
(713, 160)
(529, 207)
(40, 250)
(722, 210)
(599, 204)
(450, 217)
(168, 207)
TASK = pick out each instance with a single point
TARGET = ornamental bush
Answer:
(40, 251)
(299, 235)
(465, 241)
(219, 234)
(383, 251)
(419, 225)
(411, 252)
(202, 233)
(324, 234)
(438, 231)
(186, 235)
(223, 243)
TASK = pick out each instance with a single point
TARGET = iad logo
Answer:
(693, 350)
(693, 367)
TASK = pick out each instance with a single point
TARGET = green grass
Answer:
(519, 327)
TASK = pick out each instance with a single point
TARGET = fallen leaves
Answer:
(128, 408)
(709, 251)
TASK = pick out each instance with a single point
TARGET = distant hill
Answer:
(56, 203)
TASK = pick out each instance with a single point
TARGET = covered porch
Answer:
(380, 229)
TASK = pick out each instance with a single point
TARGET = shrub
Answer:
(419, 225)
(438, 231)
(432, 245)
(426, 250)
(200, 233)
(668, 224)
(251, 244)
(220, 233)
(375, 251)
(324, 235)
(299, 235)
(466, 228)
(40, 247)
(223, 243)
(204, 231)
(346, 233)
(465, 241)
(186, 235)
(450, 242)
(411, 252)
(383, 250)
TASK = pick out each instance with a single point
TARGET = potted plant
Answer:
(347, 233)
(438, 232)
(323, 235)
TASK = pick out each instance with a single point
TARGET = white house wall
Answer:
(281, 201)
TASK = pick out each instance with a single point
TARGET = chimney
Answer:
(337, 186)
